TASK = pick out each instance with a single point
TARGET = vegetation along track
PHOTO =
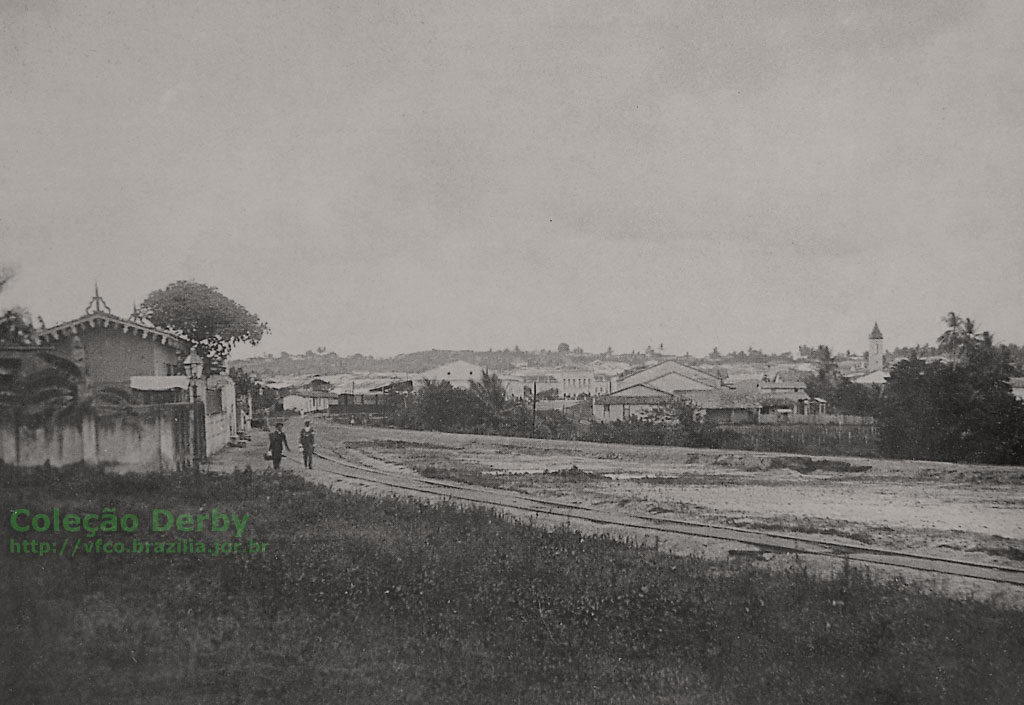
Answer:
(763, 541)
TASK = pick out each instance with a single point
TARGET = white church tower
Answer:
(876, 349)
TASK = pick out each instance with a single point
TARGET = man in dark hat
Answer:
(278, 444)
(307, 443)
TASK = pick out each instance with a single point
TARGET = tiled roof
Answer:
(108, 320)
(312, 394)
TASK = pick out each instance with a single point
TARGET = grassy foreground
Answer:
(362, 600)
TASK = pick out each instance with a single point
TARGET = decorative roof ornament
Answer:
(97, 304)
(136, 316)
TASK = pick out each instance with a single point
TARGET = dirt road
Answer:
(973, 513)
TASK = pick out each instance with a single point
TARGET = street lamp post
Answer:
(194, 370)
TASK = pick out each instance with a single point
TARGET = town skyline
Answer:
(244, 351)
(393, 178)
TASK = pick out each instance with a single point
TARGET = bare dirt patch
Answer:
(935, 507)
(971, 513)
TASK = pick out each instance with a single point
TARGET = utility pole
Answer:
(534, 431)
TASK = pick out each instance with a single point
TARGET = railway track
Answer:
(761, 541)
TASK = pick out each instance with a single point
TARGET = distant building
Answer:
(636, 393)
(781, 396)
(634, 401)
(459, 374)
(307, 401)
(1017, 386)
(318, 384)
(876, 350)
(575, 382)
(526, 380)
(876, 374)
(878, 377)
(755, 401)
(668, 376)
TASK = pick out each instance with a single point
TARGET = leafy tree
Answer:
(211, 321)
(245, 383)
(563, 348)
(963, 410)
(677, 422)
(16, 327)
(438, 406)
(843, 396)
(855, 399)
(15, 323)
(262, 397)
(828, 366)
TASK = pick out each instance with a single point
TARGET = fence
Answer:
(816, 439)
(146, 439)
(815, 419)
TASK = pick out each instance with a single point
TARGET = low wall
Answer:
(147, 439)
(816, 419)
(813, 439)
(218, 431)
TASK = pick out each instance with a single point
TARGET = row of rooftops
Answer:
(670, 378)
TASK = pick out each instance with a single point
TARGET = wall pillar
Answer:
(90, 451)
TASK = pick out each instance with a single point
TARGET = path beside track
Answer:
(347, 469)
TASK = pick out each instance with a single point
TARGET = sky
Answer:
(385, 177)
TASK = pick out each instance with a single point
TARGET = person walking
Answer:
(278, 444)
(306, 441)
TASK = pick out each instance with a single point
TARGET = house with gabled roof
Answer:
(308, 401)
(113, 349)
(668, 376)
(130, 354)
(778, 395)
(636, 393)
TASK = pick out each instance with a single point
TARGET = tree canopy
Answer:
(212, 322)
(961, 410)
(843, 396)
(15, 323)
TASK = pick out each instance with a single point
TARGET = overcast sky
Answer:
(385, 177)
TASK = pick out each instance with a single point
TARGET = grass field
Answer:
(364, 600)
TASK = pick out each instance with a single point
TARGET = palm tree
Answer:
(491, 393)
(960, 337)
(58, 391)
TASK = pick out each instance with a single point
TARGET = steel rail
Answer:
(782, 543)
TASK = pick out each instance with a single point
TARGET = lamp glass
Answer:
(193, 366)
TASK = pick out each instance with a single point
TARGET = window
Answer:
(214, 405)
